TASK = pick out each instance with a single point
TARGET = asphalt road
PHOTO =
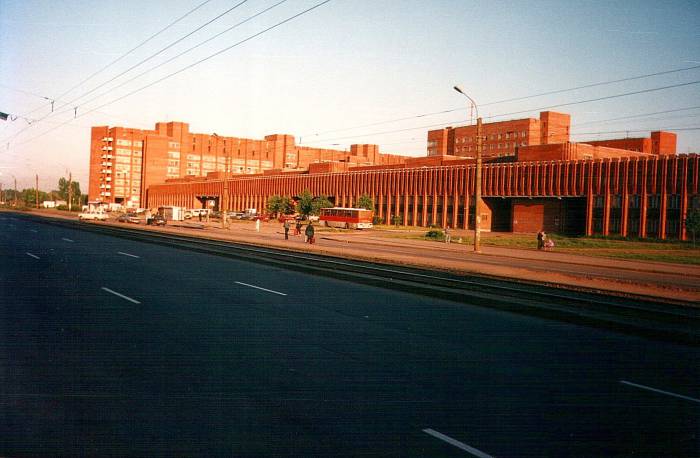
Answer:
(112, 347)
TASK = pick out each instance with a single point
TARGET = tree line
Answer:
(28, 197)
(307, 204)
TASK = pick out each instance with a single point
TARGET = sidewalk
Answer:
(677, 282)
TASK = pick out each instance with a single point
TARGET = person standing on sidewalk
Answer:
(286, 229)
(309, 233)
(297, 228)
(257, 224)
(448, 236)
(540, 239)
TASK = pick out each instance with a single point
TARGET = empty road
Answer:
(113, 347)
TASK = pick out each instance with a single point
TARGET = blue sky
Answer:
(346, 64)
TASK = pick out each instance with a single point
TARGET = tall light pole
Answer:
(477, 178)
(14, 203)
(224, 195)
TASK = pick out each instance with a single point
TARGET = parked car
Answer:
(128, 218)
(96, 216)
(156, 220)
(235, 215)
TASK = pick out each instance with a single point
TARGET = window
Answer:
(173, 155)
(523, 134)
(124, 142)
(174, 145)
(124, 152)
(138, 143)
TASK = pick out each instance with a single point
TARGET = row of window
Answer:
(506, 136)
(673, 201)
(122, 142)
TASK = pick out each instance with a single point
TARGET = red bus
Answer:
(347, 218)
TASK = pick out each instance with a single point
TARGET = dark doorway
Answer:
(501, 213)
(573, 215)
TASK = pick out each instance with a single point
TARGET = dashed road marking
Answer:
(127, 254)
(68, 240)
(456, 443)
(263, 289)
(121, 295)
(656, 390)
(33, 230)
(33, 255)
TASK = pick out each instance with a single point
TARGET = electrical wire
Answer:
(541, 94)
(625, 94)
(250, 18)
(130, 68)
(255, 35)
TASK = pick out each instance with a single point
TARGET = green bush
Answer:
(436, 234)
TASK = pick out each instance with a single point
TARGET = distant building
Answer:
(53, 203)
(124, 162)
(546, 138)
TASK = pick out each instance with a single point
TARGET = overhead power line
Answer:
(75, 108)
(135, 48)
(160, 51)
(228, 48)
(532, 96)
(625, 94)
(123, 83)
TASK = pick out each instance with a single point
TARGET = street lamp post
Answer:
(477, 177)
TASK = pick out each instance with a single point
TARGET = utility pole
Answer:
(70, 190)
(15, 202)
(477, 191)
(36, 189)
(477, 175)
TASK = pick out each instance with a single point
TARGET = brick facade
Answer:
(646, 196)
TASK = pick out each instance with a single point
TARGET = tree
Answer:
(365, 201)
(305, 203)
(319, 203)
(310, 205)
(62, 191)
(692, 222)
(280, 205)
(28, 196)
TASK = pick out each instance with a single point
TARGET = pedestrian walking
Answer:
(199, 213)
(448, 236)
(540, 239)
(286, 229)
(257, 224)
(297, 228)
(309, 233)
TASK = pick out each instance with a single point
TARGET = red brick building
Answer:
(643, 196)
(124, 162)
(503, 138)
(533, 176)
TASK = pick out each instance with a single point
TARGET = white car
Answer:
(99, 216)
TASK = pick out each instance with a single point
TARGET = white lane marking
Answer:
(33, 255)
(456, 443)
(68, 240)
(127, 254)
(656, 390)
(258, 287)
(33, 230)
(121, 295)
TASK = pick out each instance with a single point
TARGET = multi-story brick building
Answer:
(124, 162)
(533, 178)
(502, 138)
